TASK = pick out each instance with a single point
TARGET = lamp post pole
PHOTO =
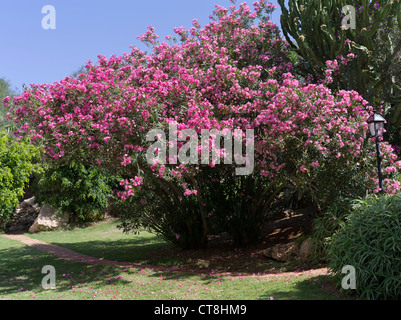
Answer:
(379, 164)
(376, 126)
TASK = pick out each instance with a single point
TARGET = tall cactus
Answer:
(314, 30)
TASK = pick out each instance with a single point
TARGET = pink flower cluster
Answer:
(129, 187)
(233, 73)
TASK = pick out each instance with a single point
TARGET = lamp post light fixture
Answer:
(376, 127)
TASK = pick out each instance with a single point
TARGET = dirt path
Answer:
(70, 255)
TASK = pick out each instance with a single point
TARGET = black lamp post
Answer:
(376, 127)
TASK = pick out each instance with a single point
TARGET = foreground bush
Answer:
(327, 223)
(370, 242)
(16, 166)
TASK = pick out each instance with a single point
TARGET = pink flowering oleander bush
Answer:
(231, 74)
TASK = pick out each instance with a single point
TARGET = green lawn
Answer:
(105, 240)
(21, 277)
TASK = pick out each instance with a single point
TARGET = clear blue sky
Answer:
(84, 29)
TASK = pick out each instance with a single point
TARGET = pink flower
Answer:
(390, 169)
(6, 100)
(189, 192)
(396, 185)
(303, 168)
(126, 160)
(145, 115)
(161, 170)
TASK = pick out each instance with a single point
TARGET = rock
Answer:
(282, 252)
(48, 219)
(29, 217)
(291, 251)
(268, 252)
(24, 216)
(306, 249)
(28, 202)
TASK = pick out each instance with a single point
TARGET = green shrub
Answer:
(328, 223)
(6, 214)
(16, 166)
(370, 241)
(78, 190)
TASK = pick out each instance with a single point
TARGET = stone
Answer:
(268, 252)
(282, 252)
(306, 249)
(28, 202)
(48, 219)
(23, 217)
(291, 251)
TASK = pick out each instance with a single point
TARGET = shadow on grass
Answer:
(183, 275)
(21, 271)
(130, 250)
(151, 251)
(319, 287)
(221, 256)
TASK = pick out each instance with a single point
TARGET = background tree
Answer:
(78, 72)
(5, 90)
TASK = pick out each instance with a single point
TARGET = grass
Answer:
(105, 241)
(20, 272)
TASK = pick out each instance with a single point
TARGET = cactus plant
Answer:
(314, 30)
